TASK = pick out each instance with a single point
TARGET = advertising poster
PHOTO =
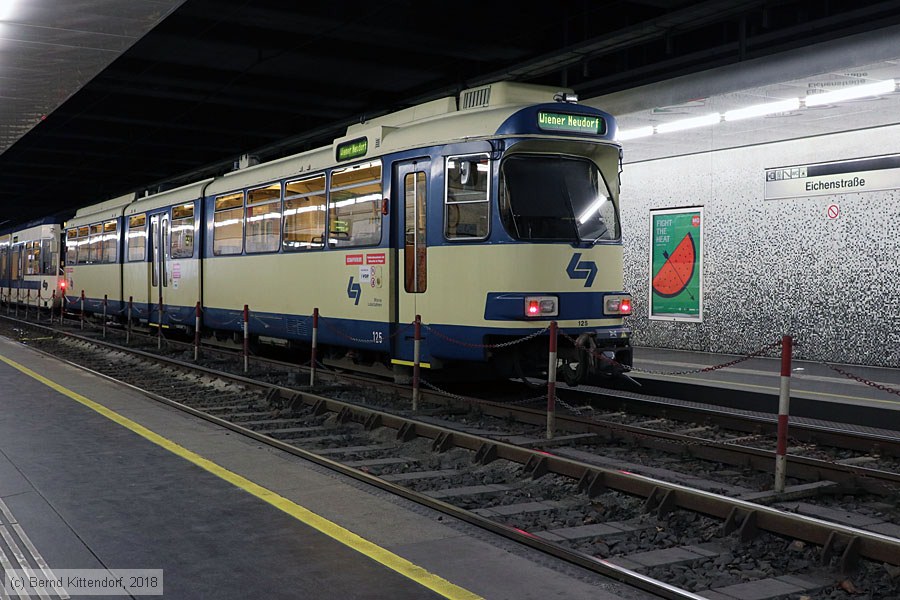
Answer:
(676, 264)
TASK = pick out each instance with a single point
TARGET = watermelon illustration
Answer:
(675, 274)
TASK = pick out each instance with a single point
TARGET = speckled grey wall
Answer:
(775, 266)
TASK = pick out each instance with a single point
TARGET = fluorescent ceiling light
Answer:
(637, 132)
(710, 119)
(6, 7)
(759, 110)
(851, 93)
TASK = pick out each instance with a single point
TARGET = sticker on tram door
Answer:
(365, 276)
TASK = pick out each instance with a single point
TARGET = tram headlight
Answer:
(541, 306)
(617, 305)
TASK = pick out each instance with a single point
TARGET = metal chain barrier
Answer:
(848, 375)
(435, 388)
(500, 345)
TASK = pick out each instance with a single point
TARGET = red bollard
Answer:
(52, 304)
(784, 400)
(315, 339)
(246, 338)
(105, 300)
(82, 309)
(551, 381)
(62, 307)
(417, 341)
(27, 302)
(197, 333)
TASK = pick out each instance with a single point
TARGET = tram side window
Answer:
(415, 253)
(182, 236)
(304, 214)
(110, 237)
(263, 229)
(354, 208)
(32, 258)
(228, 224)
(4, 262)
(96, 243)
(83, 255)
(136, 239)
(15, 262)
(47, 257)
(71, 246)
(467, 209)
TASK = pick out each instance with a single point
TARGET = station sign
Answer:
(828, 179)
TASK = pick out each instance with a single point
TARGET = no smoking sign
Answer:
(833, 211)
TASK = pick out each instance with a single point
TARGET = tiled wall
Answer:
(775, 266)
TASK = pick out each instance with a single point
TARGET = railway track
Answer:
(489, 464)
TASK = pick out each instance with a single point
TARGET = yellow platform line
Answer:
(333, 530)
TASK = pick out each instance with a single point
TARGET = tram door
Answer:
(410, 200)
(159, 259)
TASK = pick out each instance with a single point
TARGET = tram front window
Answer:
(555, 198)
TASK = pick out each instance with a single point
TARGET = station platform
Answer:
(95, 475)
(850, 394)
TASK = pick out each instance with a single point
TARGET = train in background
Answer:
(30, 263)
(488, 215)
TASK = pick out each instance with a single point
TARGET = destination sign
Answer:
(352, 149)
(551, 121)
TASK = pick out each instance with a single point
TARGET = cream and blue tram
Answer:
(30, 263)
(487, 215)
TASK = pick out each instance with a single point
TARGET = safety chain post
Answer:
(551, 382)
(246, 338)
(27, 302)
(105, 301)
(128, 327)
(784, 399)
(37, 313)
(159, 328)
(417, 340)
(62, 307)
(197, 312)
(52, 304)
(82, 309)
(17, 303)
(315, 342)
